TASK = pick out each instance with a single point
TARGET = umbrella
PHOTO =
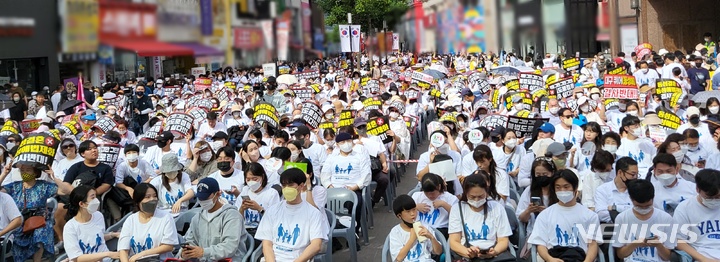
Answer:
(702, 97)
(525, 69)
(287, 79)
(6, 102)
(69, 104)
(505, 70)
(440, 68)
(434, 73)
(547, 72)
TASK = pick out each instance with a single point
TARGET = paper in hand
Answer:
(445, 169)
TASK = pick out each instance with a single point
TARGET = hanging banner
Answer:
(105, 124)
(561, 89)
(347, 118)
(199, 115)
(266, 113)
(9, 128)
(378, 126)
(522, 126)
(311, 113)
(201, 84)
(308, 75)
(29, 126)
(571, 64)
(37, 149)
(303, 93)
(669, 90)
(492, 121)
(396, 42)
(372, 103)
(108, 153)
(344, 31)
(620, 86)
(282, 34)
(179, 123)
(355, 40)
(669, 120)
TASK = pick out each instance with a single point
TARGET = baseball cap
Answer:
(555, 149)
(498, 130)
(547, 128)
(165, 136)
(206, 187)
(619, 61)
(690, 111)
(342, 137)
(360, 121)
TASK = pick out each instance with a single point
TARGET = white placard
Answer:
(445, 169)
(197, 71)
(269, 70)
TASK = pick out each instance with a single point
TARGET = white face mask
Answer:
(554, 110)
(603, 175)
(643, 211)
(711, 203)
(679, 156)
(666, 179)
(476, 203)
(10, 145)
(205, 157)
(518, 107)
(585, 108)
(595, 96)
(131, 157)
(254, 185)
(565, 196)
(112, 112)
(330, 143)
(714, 109)
(610, 148)
(207, 204)
(645, 70)
(632, 113)
(294, 156)
(346, 147)
(443, 149)
(637, 132)
(93, 206)
(394, 114)
(511, 143)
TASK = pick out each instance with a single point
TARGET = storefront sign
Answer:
(206, 19)
(158, 67)
(125, 21)
(80, 25)
(197, 71)
(178, 20)
(17, 26)
(247, 37)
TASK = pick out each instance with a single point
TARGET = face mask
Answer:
(565, 196)
(27, 177)
(224, 166)
(579, 95)
(542, 181)
(645, 70)
(294, 156)
(289, 193)
(154, 103)
(217, 145)
(93, 206)
(714, 109)
(205, 157)
(511, 143)
(122, 132)
(237, 114)
(476, 203)
(643, 211)
(346, 147)
(443, 149)
(393, 93)
(394, 114)
(632, 113)
(568, 121)
(603, 175)
(695, 120)
(328, 116)
(595, 96)
(666, 179)
(554, 110)
(207, 204)
(679, 156)
(711, 203)
(559, 163)
(693, 148)
(10, 145)
(330, 143)
(518, 107)
(112, 112)
(610, 148)
(171, 175)
(131, 157)
(254, 185)
(149, 207)
(637, 132)
(698, 65)
(16, 99)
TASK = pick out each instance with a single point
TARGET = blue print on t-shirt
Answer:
(429, 218)
(137, 247)
(347, 170)
(482, 233)
(285, 236)
(567, 239)
(415, 253)
(89, 249)
(171, 199)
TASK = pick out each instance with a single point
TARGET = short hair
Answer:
(691, 133)
(292, 176)
(624, 163)
(562, 111)
(670, 56)
(85, 145)
(708, 181)
(229, 152)
(282, 153)
(403, 203)
(282, 134)
(257, 170)
(641, 190)
(664, 158)
(131, 148)
(212, 116)
(621, 54)
(431, 182)
(601, 159)
(569, 176)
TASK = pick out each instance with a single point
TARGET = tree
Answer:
(367, 13)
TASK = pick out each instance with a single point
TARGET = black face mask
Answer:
(140, 94)
(410, 225)
(162, 143)
(695, 120)
(224, 166)
(494, 139)
(543, 181)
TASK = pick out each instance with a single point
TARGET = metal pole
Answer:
(273, 15)
(352, 57)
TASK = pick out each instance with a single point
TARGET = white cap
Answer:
(692, 111)
(663, 52)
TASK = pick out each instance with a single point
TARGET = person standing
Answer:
(142, 107)
(57, 98)
(699, 76)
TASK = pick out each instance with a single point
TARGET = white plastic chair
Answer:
(336, 199)
(249, 246)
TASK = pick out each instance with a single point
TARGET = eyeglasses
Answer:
(68, 146)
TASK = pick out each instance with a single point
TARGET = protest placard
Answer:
(304, 93)
(266, 113)
(201, 84)
(37, 149)
(9, 128)
(491, 121)
(669, 90)
(620, 86)
(199, 115)
(561, 89)
(29, 125)
(572, 63)
(347, 118)
(311, 113)
(372, 103)
(522, 126)
(179, 123)
(108, 153)
(512, 85)
(308, 75)
(105, 124)
(669, 120)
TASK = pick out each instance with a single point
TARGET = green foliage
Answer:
(334, 35)
(367, 13)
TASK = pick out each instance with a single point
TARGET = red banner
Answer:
(247, 37)
(127, 21)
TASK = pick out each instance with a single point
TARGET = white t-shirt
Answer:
(566, 226)
(668, 198)
(85, 238)
(350, 170)
(648, 78)
(61, 167)
(137, 237)
(510, 162)
(291, 228)
(237, 180)
(177, 190)
(9, 210)
(267, 197)
(608, 195)
(437, 217)
(206, 129)
(420, 252)
(574, 135)
(482, 232)
(641, 150)
(703, 227)
(140, 173)
(154, 155)
(630, 228)
(317, 155)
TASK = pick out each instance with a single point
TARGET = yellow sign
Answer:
(80, 26)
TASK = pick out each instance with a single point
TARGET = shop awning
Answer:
(151, 48)
(202, 50)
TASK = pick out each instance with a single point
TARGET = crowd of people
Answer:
(261, 156)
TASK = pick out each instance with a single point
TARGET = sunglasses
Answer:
(68, 146)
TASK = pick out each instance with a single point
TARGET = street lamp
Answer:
(635, 4)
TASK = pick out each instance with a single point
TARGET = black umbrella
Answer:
(5, 102)
(69, 104)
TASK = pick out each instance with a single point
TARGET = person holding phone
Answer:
(537, 197)
(641, 243)
(230, 179)
(256, 196)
